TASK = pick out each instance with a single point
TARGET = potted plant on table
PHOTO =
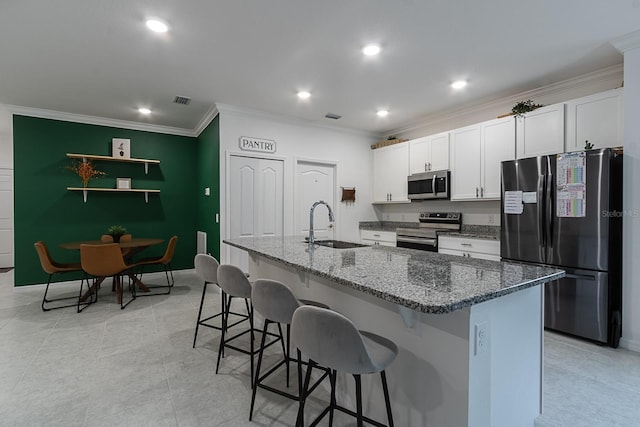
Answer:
(116, 231)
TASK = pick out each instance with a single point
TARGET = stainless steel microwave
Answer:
(429, 185)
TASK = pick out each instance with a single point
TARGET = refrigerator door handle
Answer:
(551, 206)
(540, 207)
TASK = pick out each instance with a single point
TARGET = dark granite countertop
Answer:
(421, 280)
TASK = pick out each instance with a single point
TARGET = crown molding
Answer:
(243, 112)
(100, 121)
(627, 42)
(208, 117)
(613, 74)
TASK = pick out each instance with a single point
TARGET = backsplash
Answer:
(473, 213)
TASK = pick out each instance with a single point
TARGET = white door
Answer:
(256, 203)
(6, 218)
(314, 182)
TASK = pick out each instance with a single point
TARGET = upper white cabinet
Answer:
(465, 157)
(390, 171)
(498, 145)
(540, 132)
(430, 153)
(476, 155)
(595, 118)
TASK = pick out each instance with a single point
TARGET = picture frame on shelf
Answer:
(121, 148)
(123, 183)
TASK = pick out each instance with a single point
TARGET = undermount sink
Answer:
(338, 244)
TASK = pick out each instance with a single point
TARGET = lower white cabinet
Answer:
(470, 247)
(374, 237)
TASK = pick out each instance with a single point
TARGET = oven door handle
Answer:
(429, 242)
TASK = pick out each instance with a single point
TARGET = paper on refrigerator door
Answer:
(571, 188)
(513, 202)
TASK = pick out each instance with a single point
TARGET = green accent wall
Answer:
(209, 176)
(45, 210)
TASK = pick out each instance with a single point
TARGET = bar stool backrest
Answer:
(206, 268)
(233, 281)
(331, 339)
(274, 300)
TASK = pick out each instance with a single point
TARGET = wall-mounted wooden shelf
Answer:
(86, 157)
(85, 191)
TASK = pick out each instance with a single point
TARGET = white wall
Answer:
(631, 225)
(6, 138)
(296, 139)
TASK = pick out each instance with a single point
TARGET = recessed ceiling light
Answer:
(371, 49)
(157, 26)
(143, 110)
(303, 94)
(459, 84)
(382, 113)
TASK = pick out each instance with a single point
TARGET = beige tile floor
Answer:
(136, 367)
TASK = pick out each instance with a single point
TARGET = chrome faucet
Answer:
(313, 207)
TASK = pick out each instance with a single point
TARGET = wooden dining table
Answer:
(135, 245)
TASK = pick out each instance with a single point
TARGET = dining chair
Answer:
(164, 261)
(52, 267)
(104, 260)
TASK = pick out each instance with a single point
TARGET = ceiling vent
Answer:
(182, 100)
(333, 116)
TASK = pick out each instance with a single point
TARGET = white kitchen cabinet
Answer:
(469, 247)
(375, 237)
(390, 171)
(477, 152)
(498, 145)
(540, 132)
(465, 156)
(595, 118)
(430, 153)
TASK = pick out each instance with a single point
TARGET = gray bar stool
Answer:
(207, 270)
(235, 284)
(330, 339)
(276, 303)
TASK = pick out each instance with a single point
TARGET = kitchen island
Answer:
(470, 331)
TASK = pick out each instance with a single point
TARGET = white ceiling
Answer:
(97, 58)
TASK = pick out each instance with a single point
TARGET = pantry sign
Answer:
(248, 143)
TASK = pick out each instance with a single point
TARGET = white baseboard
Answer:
(628, 344)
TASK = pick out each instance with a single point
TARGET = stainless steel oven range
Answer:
(425, 237)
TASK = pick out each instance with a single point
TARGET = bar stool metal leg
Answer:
(359, 399)
(204, 292)
(385, 389)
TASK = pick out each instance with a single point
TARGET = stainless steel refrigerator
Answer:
(566, 211)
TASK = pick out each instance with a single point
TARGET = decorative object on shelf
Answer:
(116, 231)
(389, 141)
(85, 170)
(524, 107)
(123, 183)
(121, 148)
(588, 145)
(348, 195)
